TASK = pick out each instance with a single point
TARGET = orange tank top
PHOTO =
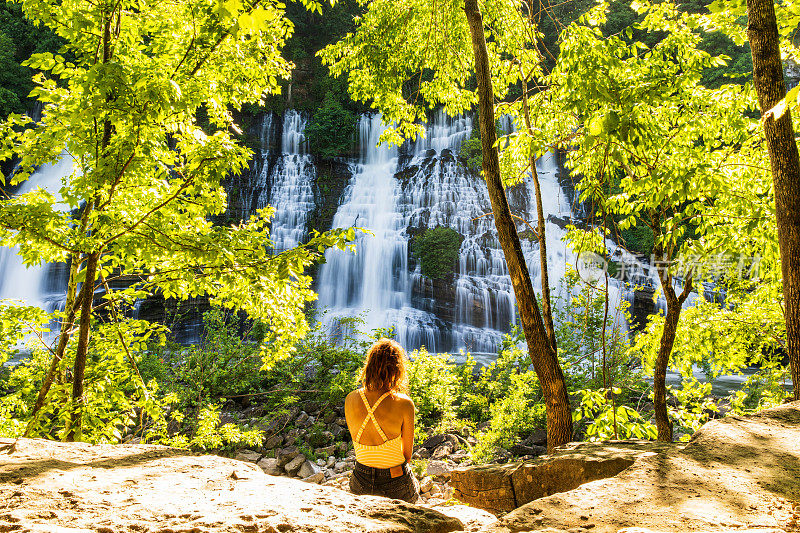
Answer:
(384, 455)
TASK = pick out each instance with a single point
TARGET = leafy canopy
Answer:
(146, 177)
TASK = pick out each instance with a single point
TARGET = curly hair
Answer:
(385, 367)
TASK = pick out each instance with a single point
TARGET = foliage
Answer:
(609, 418)
(593, 347)
(437, 250)
(432, 385)
(17, 322)
(748, 331)
(113, 387)
(19, 38)
(208, 433)
(505, 393)
(512, 417)
(332, 128)
(430, 61)
(471, 151)
(225, 363)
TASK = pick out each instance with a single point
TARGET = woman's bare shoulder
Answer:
(404, 400)
(350, 397)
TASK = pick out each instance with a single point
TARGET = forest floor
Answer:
(738, 473)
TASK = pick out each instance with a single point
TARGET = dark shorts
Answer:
(379, 482)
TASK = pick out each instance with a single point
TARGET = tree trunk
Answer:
(63, 339)
(559, 417)
(674, 305)
(663, 423)
(547, 309)
(762, 32)
(81, 351)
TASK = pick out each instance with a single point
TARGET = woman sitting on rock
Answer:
(380, 418)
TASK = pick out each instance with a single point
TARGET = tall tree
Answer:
(540, 345)
(646, 131)
(762, 32)
(409, 56)
(121, 101)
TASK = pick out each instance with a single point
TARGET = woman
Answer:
(380, 418)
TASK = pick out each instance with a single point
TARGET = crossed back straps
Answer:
(371, 416)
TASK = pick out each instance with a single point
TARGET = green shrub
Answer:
(513, 416)
(208, 434)
(471, 150)
(610, 419)
(332, 129)
(437, 250)
(226, 363)
(432, 385)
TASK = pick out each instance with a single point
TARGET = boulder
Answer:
(53, 486)
(319, 477)
(270, 466)
(301, 419)
(433, 441)
(422, 453)
(272, 442)
(308, 469)
(438, 469)
(521, 449)
(426, 484)
(502, 488)
(442, 451)
(285, 455)
(248, 455)
(326, 451)
(537, 438)
(329, 417)
(293, 466)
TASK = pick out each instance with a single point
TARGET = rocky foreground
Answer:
(739, 473)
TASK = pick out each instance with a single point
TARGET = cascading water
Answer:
(38, 285)
(281, 178)
(291, 183)
(395, 193)
(373, 282)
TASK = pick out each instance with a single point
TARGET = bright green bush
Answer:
(332, 129)
(512, 416)
(610, 419)
(437, 250)
(432, 386)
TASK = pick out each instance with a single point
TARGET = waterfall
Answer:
(373, 282)
(291, 185)
(396, 193)
(38, 285)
